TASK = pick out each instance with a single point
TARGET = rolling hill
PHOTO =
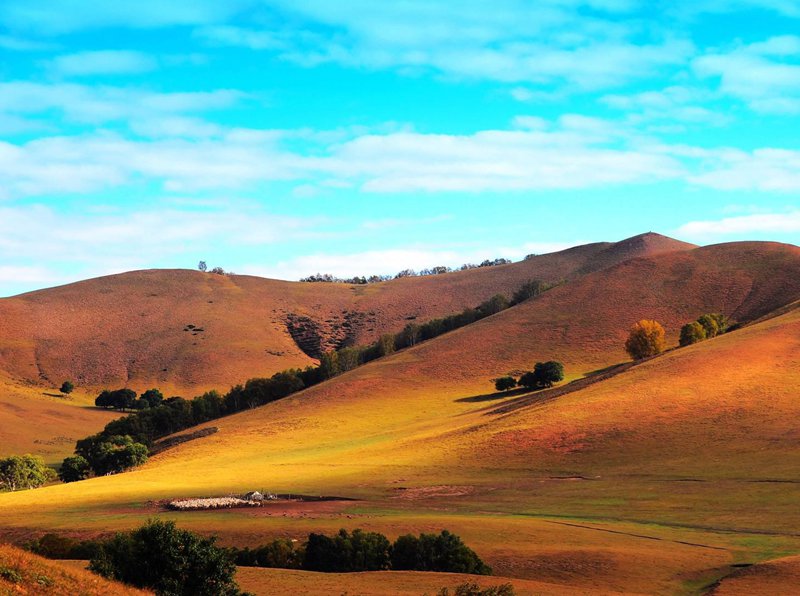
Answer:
(653, 478)
(187, 331)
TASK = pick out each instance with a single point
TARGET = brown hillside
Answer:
(134, 329)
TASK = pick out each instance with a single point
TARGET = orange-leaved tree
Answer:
(647, 338)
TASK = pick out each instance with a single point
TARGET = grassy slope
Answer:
(36, 420)
(52, 578)
(676, 450)
(129, 328)
(781, 576)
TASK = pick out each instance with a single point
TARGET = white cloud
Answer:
(765, 75)
(772, 223)
(105, 62)
(766, 170)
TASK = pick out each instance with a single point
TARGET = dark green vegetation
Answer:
(124, 443)
(56, 546)
(20, 472)
(543, 375)
(171, 562)
(706, 326)
(67, 387)
(74, 468)
(367, 551)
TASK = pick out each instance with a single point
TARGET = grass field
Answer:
(658, 479)
(41, 421)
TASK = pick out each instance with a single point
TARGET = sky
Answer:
(282, 139)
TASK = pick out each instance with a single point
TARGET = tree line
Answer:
(163, 558)
(647, 338)
(372, 279)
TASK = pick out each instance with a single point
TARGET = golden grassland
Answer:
(43, 422)
(656, 480)
(24, 573)
(130, 328)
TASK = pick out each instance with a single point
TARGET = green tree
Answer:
(385, 345)
(67, 387)
(548, 373)
(20, 472)
(691, 333)
(329, 364)
(152, 397)
(444, 552)
(710, 325)
(74, 468)
(494, 305)
(116, 454)
(169, 561)
(647, 338)
(530, 289)
(505, 383)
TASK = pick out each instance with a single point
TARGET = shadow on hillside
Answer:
(59, 395)
(529, 398)
(491, 396)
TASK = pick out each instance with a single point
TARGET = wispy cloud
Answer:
(105, 62)
(788, 222)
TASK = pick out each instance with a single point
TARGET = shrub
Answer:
(473, 589)
(494, 305)
(74, 468)
(646, 339)
(505, 383)
(169, 561)
(691, 333)
(714, 324)
(529, 290)
(67, 387)
(24, 472)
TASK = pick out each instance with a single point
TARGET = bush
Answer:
(55, 546)
(24, 472)
(473, 589)
(444, 552)
(529, 290)
(544, 374)
(74, 468)
(111, 455)
(647, 338)
(67, 387)
(714, 324)
(691, 333)
(494, 305)
(172, 562)
(505, 383)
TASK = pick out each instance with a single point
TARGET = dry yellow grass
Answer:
(24, 573)
(34, 420)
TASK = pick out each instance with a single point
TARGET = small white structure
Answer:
(254, 496)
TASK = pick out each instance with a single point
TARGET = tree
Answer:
(24, 472)
(115, 454)
(528, 380)
(494, 305)
(74, 468)
(342, 553)
(691, 333)
(329, 364)
(647, 338)
(152, 397)
(529, 290)
(548, 373)
(169, 561)
(385, 345)
(67, 387)
(202, 266)
(505, 383)
(710, 325)
(443, 552)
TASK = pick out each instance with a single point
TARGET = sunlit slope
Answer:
(25, 573)
(134, 329)
(42, 422)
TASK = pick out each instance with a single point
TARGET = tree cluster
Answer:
(21, 472)
(126, 399)
(706, 326)
(171, 562)
(367, 551)
(543, 375)
(371, 279)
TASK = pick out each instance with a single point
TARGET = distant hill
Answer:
(187, 331)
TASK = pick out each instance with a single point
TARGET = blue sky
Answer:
(286, 138)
